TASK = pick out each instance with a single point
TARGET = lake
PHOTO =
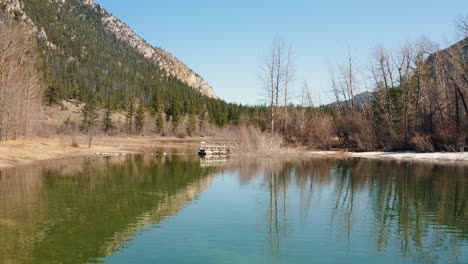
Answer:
(177, 208)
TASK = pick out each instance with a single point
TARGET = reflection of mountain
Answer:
(167, 207)
(86, 214)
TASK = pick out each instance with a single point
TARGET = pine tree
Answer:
(129, 116)
(192, 125)
(90, 116)
(156, 103)
(52, 94)
(158, 109)
(107, 120)
(139, 119)
(175, 112)
(160, 122)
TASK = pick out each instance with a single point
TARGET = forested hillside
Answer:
(82, 60)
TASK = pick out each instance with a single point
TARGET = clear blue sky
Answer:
(225, 41)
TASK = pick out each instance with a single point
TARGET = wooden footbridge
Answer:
(216, 148)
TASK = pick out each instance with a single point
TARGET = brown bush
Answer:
(422, 143)
(320, 131)
(449, 139)
(356, 131)
(251, 139)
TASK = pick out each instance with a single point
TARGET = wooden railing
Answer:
(217, 148)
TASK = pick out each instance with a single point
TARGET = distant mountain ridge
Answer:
(360, 100)
(171, 65)
(366, 98)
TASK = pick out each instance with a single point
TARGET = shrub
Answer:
(449, 139)
(320, 132)
(422, 143)
(356, 131)
(251, 139)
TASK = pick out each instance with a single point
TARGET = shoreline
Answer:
(31, 150)
(453, 158)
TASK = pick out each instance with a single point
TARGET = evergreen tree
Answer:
(158, 109)
(129, 116)
(175, 113)
(90, 117)
(139, 119)
(52, 94)
(156, 104)
(160, 122)
(108, 124)
(89, 114)
(192, 125)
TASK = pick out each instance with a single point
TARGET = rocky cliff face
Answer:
(163, 59)
(170, 64)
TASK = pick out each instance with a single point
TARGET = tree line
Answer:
(417, 99)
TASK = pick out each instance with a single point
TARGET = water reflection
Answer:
(418, 208)
(85, 210)
(82, 210)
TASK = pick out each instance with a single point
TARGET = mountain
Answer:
(360, 100)
(455, 58)
(163, 59)
(87, 50)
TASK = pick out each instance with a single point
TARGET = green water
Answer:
(178, 209)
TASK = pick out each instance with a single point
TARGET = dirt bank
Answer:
(20, 152)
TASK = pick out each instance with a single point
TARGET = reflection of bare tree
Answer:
(345, 199)
(282, 177)
(277, 211)
(406, 201)
(417, 207)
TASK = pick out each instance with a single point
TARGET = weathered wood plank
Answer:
(216, 148)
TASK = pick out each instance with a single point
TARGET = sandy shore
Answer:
(19, 152)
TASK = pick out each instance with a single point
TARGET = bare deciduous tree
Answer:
(462, 25)
(288, 78)
(344, 85)
(278, 73)
(21, 86)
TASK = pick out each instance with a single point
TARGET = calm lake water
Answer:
(179, 209)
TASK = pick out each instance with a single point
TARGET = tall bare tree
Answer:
(277, 75)
(21, 85)
(344, 82)
(288, 79)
